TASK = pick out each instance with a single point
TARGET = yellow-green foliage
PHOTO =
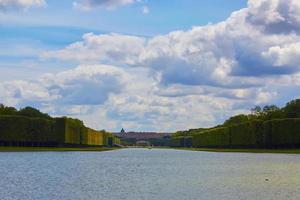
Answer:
(58, 131)
(116, 140)
(108, 139)
(69, 131)
(92, 137)
(282, 132)
(217, 137)
(247, 134)
(73, 131)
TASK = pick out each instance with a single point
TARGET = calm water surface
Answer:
(142, 174)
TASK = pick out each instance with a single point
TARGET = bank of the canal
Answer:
(234, 150)
(37, 149)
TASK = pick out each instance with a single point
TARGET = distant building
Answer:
(122, 131)
(143, 135)
(144, 138)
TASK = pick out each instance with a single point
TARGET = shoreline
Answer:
(49, 149)
(100, 149)
(259, 151)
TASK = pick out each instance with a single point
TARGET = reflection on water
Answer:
(143, 174)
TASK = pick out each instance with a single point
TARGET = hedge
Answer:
(249, 134)
(218, 137)
(24, 129)
(258, 134)
(181, 142)
(176, 142)
(15, 130)
(282, 133)
(92, 137)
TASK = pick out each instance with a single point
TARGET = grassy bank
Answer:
(282, 151)
(37, 149)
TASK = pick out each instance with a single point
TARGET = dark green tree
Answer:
(272, 112)
(32, 112)
(238, 119)
(292, 109)
(7, 110)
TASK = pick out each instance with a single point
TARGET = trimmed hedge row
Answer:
(254, 134)
(181, 142)
(218, 137)
(249, 134)
(282, 132)
(92, 137)
(25, 131)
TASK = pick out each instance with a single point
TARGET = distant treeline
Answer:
(267, 127)
(30, 127)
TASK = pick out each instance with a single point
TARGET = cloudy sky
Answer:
(149, 65)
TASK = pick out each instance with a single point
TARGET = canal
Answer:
(149, 174)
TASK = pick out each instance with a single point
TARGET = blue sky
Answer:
(57, 24)
(146, 64)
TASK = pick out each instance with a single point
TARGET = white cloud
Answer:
(84, 85)
(275, 16)
(180, 80)
(284, 55)
(20, 4)
(112, 48)
(229, 54)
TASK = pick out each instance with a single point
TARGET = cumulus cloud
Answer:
(84, 85)
(109, 4)
(258, 41)
(275, 16)
(20, 4)
(193, 78)
(112, 48)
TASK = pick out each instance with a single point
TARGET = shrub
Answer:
(218, 137)
(282, 132)
(249, 134)
(25, 129)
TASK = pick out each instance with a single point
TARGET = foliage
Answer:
(247, 134)
(292, 109)
(218, 137)
(282, 132)
(32, 112)
(7, 110)
(238, 119)
(24, 129)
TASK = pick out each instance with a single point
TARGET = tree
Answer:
(7, 110)
(272, 112)
(292, 109)
(32, 112)
(256, 111)
(238, 119)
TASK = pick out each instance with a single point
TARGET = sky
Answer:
(148, 65)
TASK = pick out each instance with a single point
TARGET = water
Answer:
(143, 174)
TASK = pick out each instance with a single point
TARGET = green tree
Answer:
(238, 119)
(7, 110)
(32, 112)
(272, 112)
(256, 111)
(292, 109)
